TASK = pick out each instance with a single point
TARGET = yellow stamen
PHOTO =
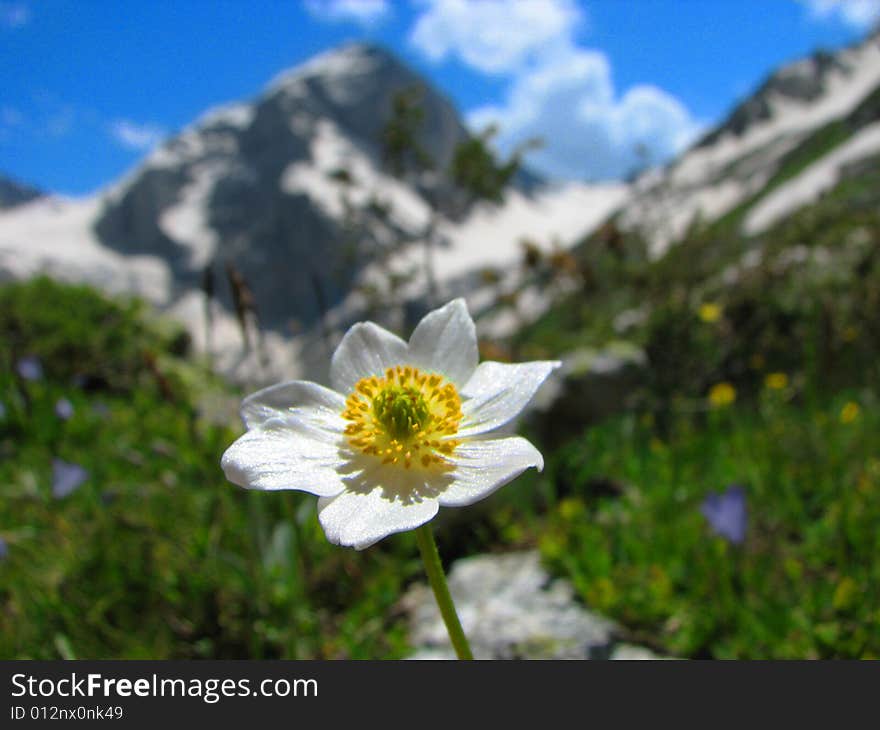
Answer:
(397, 416)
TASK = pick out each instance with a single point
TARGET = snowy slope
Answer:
(735, 162)
(489, 240)
(55, 236)
(812, 182)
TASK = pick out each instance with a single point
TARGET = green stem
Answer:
(437, 578)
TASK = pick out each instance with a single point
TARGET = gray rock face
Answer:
(298, 258)
(14, 193)
(511, 609)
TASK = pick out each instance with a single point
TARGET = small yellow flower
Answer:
(571, 509)
(850, 412)
(776, 381)
(602, 593)
(710, 312)
(844, 594)
(722, 395)
(552, 546)
(850, 333)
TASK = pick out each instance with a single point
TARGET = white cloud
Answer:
(364, 12)
(14, 15)
(492, 36)
(588, 131)
(858, 13)
(559, 91)
(136, 136)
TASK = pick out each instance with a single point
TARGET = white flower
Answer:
(404, 431)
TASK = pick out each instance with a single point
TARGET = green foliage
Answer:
(402, 151)
(78, 334)
(476, 172)
(156, 555)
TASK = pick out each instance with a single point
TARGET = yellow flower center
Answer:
(407, 417)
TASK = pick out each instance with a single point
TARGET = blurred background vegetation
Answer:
(766, 378)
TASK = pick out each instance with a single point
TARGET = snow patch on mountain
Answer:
(807, 186)
(338, 66)
(488, 241)
(238, 115)
(491, 236)
(333, 155)
(187, 222)
(54, 236)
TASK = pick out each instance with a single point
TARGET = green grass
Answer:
(627, 528)
(806, 581)
(157, 555)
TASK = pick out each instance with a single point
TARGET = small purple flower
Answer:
(4, 549)
(66, 478)
(64, 409)
(2, 411)
(30, 368)
(727, 513)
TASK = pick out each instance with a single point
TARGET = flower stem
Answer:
(437, 578)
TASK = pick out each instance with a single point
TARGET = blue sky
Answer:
(87, 87)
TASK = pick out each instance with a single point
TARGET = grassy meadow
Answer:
(121, 537)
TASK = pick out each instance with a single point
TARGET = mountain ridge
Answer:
(735, 164)
(288, 193)
(14, 192)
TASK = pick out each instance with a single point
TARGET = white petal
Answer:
(360, 519)
(445, 342)
(286, 454)
(484, 465)
(306, 401)
(366, 349)
(497, 392)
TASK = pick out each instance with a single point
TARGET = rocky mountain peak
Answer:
(271, 186)
(802, 82)
(14, 193)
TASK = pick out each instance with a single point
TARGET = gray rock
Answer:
(630, 652)
(510, 608)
